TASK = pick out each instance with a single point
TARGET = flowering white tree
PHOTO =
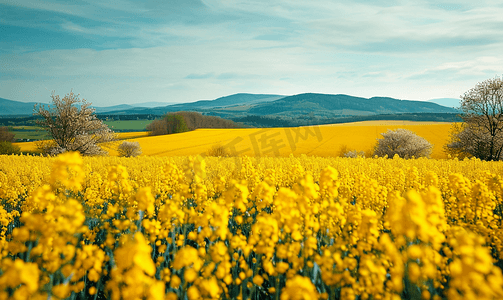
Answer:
(404, 143)
(73, 128)
(481, 135)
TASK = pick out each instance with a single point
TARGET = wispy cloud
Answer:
(482, 67)
(200, 49)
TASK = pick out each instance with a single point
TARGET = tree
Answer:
(6, 139)
(481, 135)
(9, 148)
(176, 123)
(181, 121)
(73, 126)
(129, 149)
(170, 123)
(404, 143)
(195, 120)
(5, 135)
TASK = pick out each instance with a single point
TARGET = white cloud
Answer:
(480, 67)
(409, 50)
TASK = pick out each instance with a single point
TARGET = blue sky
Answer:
(114, 52)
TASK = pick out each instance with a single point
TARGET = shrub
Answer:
(218, 151)
(129, 149)
(8, 148)
(354, 154)
(404, 143)
(343, 149)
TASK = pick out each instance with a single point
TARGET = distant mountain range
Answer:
(322, 104)
(241, 105)
(11, 107)
(121, 107)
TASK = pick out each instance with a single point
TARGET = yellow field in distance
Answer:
(132, 135)
(32, 146)
(323, 140)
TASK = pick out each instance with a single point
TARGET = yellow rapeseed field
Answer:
(324, 141)
(32, 146)
(132, 135)
(188, 227)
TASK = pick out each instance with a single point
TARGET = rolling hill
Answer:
(345, 105)
(10, 107)
(232, 100)
(318, 105)
(223, 103)
(241, 105)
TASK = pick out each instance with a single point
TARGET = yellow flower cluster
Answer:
(250, 228)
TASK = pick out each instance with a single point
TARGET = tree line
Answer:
(277, 121)
(182, 121)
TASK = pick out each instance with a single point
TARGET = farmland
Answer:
(251, 228)
(28, 133)
(324, 141)
(34, 133)
(128, 125)
(281, 216)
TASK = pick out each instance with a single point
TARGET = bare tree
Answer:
(482, 133)
(129, 149)
(404, 143)
(6, 139)
(5, 135)
(73, 126)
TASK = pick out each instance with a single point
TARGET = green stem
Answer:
(276, 294)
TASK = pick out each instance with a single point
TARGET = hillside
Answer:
(10, 107)
(111, 109)
(232, 100)
(314, 106)
(322, 104)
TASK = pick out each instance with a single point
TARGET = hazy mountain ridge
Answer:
(232, 100)
(11, 107)
(239, 105)
(320, 103)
